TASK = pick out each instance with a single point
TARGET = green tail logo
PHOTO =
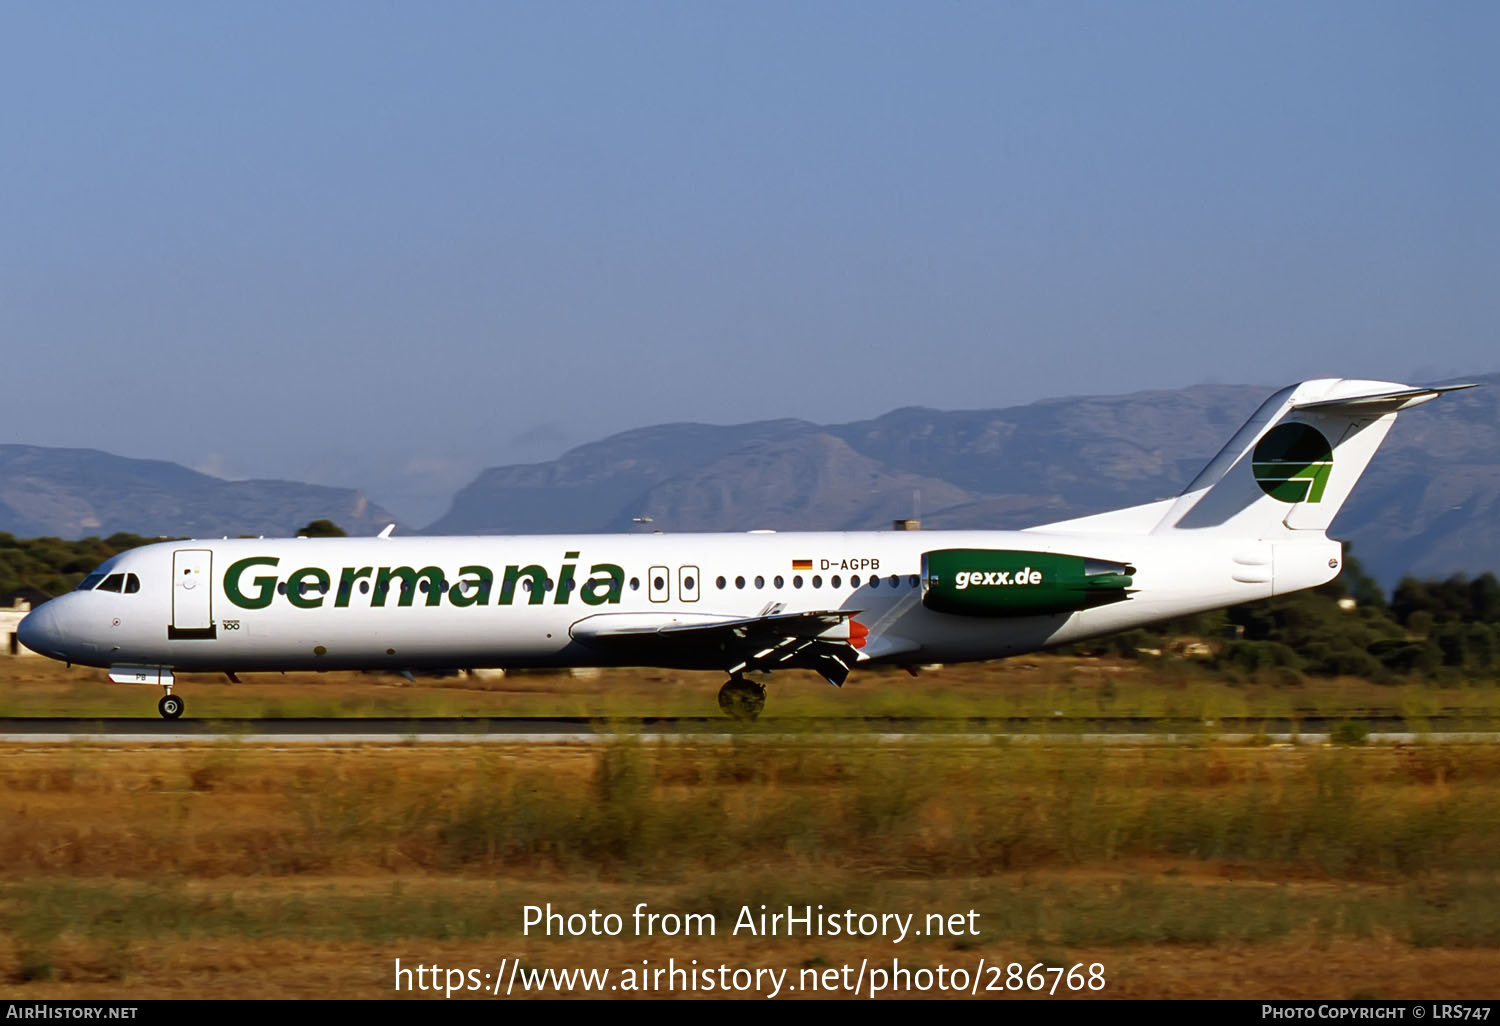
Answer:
(1292, 463)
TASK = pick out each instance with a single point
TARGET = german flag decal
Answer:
(801, 564)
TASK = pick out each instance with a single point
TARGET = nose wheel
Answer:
(742, 699)
(170, 707)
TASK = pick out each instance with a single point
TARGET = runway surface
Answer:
(581, 730)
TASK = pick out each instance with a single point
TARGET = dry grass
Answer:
(673, 809)
(229, 870)
(1045, 685)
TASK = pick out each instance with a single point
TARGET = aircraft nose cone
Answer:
(39, 631)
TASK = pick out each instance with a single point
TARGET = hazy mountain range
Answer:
(1428, 505)
(74, 493)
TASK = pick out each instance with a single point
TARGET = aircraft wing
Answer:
(821, 640)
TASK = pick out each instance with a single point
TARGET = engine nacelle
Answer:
(1003, 582)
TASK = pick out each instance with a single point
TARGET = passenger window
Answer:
(760, 582)
(132, 584)
(817, 580)
(721, 582)
(114, 582)
(780, 581)
(837, 581)
(739, 582)
(854, 581)
(895, 580)
(90, 582)
(874, 582)
(635, 584)
(797, 581)
(913, 580)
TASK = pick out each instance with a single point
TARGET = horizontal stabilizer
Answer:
(1375, 404)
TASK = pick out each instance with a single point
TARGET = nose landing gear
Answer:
(742, 699)
(170, 706)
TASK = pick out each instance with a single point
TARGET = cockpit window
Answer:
(129, 584)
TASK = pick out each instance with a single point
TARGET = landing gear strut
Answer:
(742, 699)
(170, 706)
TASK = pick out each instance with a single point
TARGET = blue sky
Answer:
(387, 244)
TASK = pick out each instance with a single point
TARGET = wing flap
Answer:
(800, 625)
(604, 626)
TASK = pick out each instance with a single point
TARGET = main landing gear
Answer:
(742, 699)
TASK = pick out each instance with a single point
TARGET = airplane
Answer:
(1251, 525)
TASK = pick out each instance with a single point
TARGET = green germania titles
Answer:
(474, 585)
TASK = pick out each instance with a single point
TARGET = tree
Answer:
(1484, 595)
(1410, 597)
(322, 529)
(1363, 588)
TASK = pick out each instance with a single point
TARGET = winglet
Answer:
(386, 533)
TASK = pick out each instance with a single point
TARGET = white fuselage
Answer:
(516, 601)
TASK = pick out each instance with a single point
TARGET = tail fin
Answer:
(1296, 460)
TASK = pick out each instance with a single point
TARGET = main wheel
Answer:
(742, 699)
(170, 707)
